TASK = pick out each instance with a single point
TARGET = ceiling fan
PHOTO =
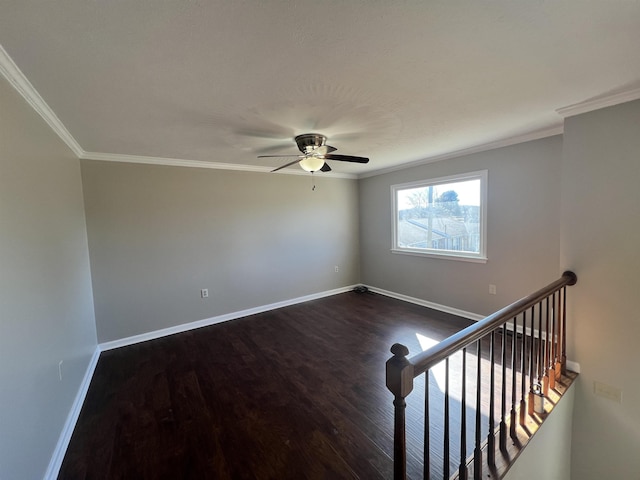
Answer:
(315, 152)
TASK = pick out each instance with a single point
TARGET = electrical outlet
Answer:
(492, 289)
(607, 391)
(204, 293)
(60, 370)
(336, 268)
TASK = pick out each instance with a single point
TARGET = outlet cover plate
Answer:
(607, 391)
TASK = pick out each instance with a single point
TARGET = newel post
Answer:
(573, 279)
(400, 383)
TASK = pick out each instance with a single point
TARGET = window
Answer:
(444, 217)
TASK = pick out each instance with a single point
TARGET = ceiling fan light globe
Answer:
(311, 164)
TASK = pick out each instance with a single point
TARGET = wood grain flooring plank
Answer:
(294, 393)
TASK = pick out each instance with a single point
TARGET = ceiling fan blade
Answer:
(285, 166)
(281, 156)
(346, 158)
(325, 167)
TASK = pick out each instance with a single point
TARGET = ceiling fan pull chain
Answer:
(313, 182)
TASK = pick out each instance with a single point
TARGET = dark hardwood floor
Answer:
(294, 393)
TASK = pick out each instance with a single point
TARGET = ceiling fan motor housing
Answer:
(315, 152)
(310, 141)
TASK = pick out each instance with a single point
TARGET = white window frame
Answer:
(481, 256)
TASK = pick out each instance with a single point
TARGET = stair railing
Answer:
(524, 347)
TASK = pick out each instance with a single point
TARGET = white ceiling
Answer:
(399, 82)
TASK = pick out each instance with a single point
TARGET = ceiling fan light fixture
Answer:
(311, 163)
(315, 153)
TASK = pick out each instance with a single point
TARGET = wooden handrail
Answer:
(425, 360)
(543, 356)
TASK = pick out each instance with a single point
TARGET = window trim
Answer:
(480, 257)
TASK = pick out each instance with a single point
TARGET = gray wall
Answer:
(522, 237)
(600, 241)
(158, 235)
(46, 308)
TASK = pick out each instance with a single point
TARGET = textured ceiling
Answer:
(225, 81)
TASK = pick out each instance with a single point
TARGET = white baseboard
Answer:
(573, 366)
(67, 430)
(436, 306)
(143, 337)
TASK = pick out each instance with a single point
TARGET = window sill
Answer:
(443, 256)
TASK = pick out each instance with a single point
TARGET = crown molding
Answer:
(505, 142)
(601, 101)
(178, 162)
(17, 79)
